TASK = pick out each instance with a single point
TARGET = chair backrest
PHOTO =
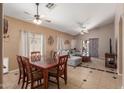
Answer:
(20, 65)
(62, 64)
(35, 56)
(27, 67)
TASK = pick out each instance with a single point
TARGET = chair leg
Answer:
(26, 84)
(58, 82)
(23, 82)
(40, 82)
(19, 78)
(32, 84)
(65, 79)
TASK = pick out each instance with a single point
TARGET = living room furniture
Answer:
(74, 60)
(32, 76)
(110, 60)
(86, 58)
(45, 64)
(60, 70)
(35, 56)
(21, 70)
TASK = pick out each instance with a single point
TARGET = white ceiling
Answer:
(65, 16)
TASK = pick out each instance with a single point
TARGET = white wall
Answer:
(123, 52)
(120, 51)
(73, 43)
(104, 33)
(1, 53)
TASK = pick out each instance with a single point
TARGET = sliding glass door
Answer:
(93, 47)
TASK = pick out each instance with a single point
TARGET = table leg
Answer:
(45, 75)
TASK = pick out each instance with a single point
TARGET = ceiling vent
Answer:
(50, 5)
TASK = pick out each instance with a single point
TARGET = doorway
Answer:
(93, 47)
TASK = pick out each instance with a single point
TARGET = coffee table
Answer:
(86, 58)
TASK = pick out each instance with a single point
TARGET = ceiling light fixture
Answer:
(37, 21)
(37, 17)
(84, 30)
(82, 33)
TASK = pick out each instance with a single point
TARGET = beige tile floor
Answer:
(76, 80)
(99, 64)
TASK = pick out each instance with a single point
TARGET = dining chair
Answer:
(35, 56)
(60, 70)
(21, 70)
(22, 75)
(32, 76)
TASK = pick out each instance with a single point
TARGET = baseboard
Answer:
(101, 58)
(97, 59)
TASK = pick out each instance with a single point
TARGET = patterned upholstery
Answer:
(21, 69)
(60, 70)
(32, 76)
(35, 56)
(62, 65)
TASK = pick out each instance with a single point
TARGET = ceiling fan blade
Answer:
(49, 21)
(46, 20)
(27, 13)
(28, 19)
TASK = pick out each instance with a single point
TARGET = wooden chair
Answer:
(60, 70)
(31, 76)
(21, 69)
(35, 56)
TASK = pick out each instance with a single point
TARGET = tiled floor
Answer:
(98, 64)
(78, 78)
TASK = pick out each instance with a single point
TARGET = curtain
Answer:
(35, 42)
(24, 44)
(31, 42)
(60, 43)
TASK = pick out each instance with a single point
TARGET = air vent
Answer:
(50, 5)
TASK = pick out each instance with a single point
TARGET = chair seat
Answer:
(37, 75)
(53, 72)
(60, 70)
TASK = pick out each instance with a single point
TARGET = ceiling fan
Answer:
(83, 28)
(37, 18)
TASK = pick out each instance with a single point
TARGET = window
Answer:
(31, 42)
(85, 47)
(35, 42)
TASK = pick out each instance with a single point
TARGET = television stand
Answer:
(110, 60)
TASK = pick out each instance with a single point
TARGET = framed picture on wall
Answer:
(50, 40)
(5, 32)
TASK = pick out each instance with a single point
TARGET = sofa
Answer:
(74, 56)
(74, 61)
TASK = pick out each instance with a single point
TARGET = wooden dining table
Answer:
(45, 64)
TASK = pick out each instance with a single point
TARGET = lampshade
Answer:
(37, 21)
(82, 33)
(85, 31)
